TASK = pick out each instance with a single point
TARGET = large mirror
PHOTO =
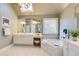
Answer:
(31, 26)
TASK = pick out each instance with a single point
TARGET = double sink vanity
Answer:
(27, 39)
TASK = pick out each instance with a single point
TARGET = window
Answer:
(50, 26)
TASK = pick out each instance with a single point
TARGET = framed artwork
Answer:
(5, 21)
(5, 26)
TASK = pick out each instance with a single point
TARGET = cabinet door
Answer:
(73, 50)
(23, 39)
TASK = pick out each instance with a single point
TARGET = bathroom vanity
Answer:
(25, 38)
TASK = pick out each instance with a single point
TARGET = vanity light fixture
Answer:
(23, 22)
(34, 22)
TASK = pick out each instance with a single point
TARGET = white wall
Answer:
(68, 19)
(7, 11)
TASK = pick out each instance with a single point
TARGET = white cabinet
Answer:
(72, 48)
(23, 39)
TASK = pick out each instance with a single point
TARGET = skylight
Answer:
(26, 7)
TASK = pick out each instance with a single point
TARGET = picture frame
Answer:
(5, 21)
(5, 26)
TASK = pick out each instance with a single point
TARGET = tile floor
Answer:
(23, 51)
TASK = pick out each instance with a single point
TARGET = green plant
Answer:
(74, 33)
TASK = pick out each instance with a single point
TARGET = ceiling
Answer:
(41, 8)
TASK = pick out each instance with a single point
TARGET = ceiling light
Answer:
(26, 7)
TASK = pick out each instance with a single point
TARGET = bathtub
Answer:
(52, 47)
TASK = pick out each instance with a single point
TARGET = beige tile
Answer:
(23, 51)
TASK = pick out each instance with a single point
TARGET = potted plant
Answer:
(75, 34)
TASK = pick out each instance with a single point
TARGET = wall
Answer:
(77, 14)
(7, 11)
(68, 19)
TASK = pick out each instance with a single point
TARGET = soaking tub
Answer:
(52, 47)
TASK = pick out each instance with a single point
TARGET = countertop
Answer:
(34, 34)
(76, 43)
